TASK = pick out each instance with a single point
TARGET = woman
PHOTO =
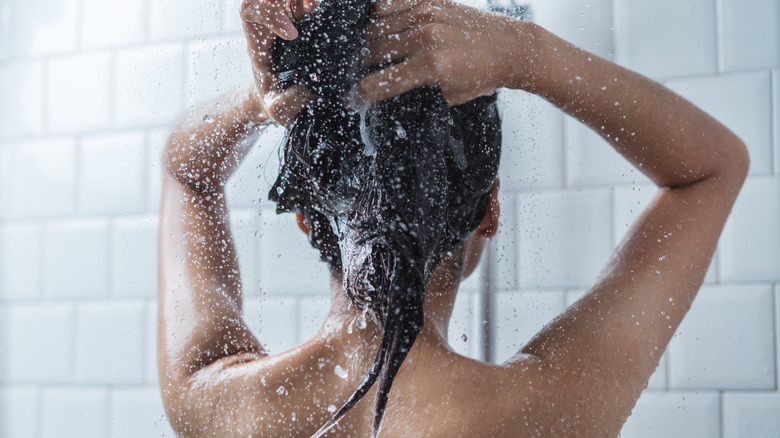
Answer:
(580, 376)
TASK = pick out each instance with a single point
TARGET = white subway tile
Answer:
(42, 178)
(587, 24)
(750, 34)
(726, 341)
(19, 411)
(288, 263)
(6, 156)
(138, 413)
(22, 103)
(39, 343)
(216, 66)
(751, 414)
(155, 145)
(591, 161)
(630, 202)
(134, 256)
(532, 142)
(249, 185)
(519, 315)
(232, 17)
(149, 85)
(78, 92)
(109, 342)
(20, 261)
(673, 415)
(42, 27)
(312, 311)
(666, 38)
(170, 19)
(112, 173)
(246, 237)
(74, 412)
(565, 238)
(776, 117)
(505, 245)
(150, 347)
(100, 19)
(750, 246)
(464, 334)
(743, 103)
(273, 321)
(76, 258)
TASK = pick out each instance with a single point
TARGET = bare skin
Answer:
(580, 376)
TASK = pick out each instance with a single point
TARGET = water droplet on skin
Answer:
(340, 372)
(361, 321)
(208, 119)
(280, 390)
(331, 408)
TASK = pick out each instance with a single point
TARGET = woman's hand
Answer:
(263, 21)
(465, 51)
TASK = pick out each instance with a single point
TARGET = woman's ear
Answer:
(302, 224)
(489, 225)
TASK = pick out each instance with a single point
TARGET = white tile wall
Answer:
(216, 66)
(138, 413)
(112, 174)
(750, 34)
(743, 103)
(564, 238)
(666, 38)
(288, 264)
(43, 27)
(42, 178)
(22, 104)
(751, 241)
(20, 261)
(109, 342)
(531, 142)
(149, 85)
(89, 91)
(78, 89)
(100, 23)
(726, 341)
(39, 343)
(751, 414)
(174, 19)
(18, 411)
(75, 260)
(134, 257)
(74, 411)
(674, 415)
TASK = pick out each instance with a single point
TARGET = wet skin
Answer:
(580, 376)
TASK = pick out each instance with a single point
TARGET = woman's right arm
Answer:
(598, 355)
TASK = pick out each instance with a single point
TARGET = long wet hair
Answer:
(386, 190)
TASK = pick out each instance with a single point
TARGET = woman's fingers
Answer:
(394, 80)
(392, 47)
(283, 107)
(270, 14)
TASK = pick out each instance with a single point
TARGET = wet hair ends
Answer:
(385, 190)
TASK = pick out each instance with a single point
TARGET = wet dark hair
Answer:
(386, 190)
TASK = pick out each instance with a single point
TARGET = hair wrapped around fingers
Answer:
(386, 190)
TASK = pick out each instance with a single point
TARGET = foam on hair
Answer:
(385, 191)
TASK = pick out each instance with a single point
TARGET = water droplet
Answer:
(364, 51)
(208, 119)
(361, 321)
(280, 390)
(340, 372)
(331, 408)
(400, 131)
(464, 337)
